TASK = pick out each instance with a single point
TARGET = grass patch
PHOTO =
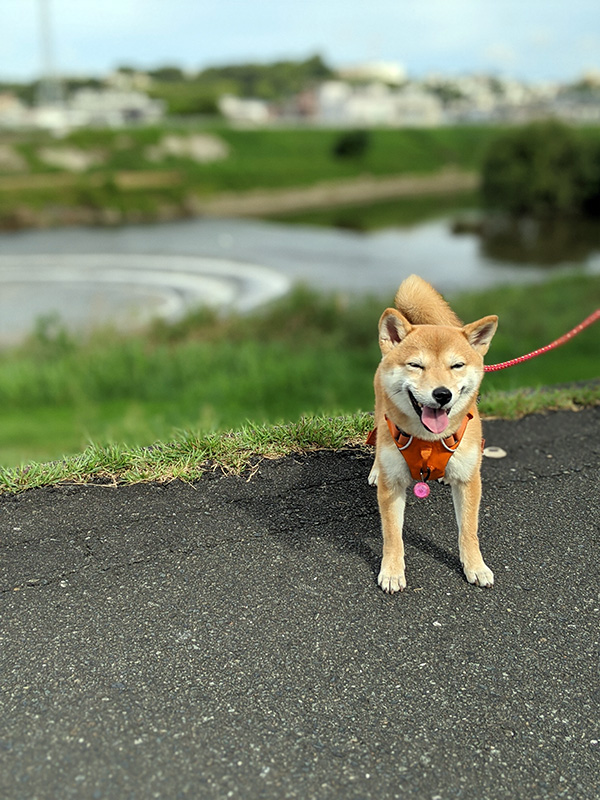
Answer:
(521, 402)
(192, 455)
(274, 158)
(307, 357)
(398, 213)
(531, 317)
(258, 159)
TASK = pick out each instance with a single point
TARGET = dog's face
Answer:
(431, 373)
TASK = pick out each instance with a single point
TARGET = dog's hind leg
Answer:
(466, 497)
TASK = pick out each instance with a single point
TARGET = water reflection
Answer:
(502, 240)
(548, 243)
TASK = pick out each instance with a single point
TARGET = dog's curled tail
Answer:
(422, 305)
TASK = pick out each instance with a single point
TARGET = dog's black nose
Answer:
(442, 395)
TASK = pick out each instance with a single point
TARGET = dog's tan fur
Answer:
(423, 345)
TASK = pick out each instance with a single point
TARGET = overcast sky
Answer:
(529, 39)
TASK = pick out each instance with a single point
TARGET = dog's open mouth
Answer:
(434, 419)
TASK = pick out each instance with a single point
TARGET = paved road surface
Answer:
(228, 639)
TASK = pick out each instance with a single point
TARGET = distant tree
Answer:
(168, 74)
(269, 81)
(72, 84)
(186, 98)
(591, 179)
(26, 92)
(447, 92)
(543, 169)
(352, 144)
(586, 88)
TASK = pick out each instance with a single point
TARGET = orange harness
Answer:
(426, 460)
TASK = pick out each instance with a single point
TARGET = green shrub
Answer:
(353, 144)
(591, 179)
(544, 169)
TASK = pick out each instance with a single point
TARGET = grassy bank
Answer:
(190, 455)
(132, 175)
(306, 355)
(401, 212)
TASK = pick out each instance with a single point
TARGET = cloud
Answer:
(542, 38)
(590, 44)
(501, 56)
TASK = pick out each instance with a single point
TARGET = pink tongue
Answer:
(434, 419)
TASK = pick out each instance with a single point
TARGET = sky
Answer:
(532, 40)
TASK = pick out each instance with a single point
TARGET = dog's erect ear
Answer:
(393, 328)
(479, 334)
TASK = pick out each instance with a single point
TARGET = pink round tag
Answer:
(421, 490)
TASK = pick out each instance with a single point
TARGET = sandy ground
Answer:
(355, 191)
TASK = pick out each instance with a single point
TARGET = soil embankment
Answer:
(353, 191)
(253, 203)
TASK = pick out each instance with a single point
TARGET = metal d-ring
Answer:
(404, 446)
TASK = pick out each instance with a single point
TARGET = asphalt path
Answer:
(228, 638)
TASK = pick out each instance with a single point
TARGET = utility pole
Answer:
(50, 91)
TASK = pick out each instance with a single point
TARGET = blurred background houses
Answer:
(368, 95)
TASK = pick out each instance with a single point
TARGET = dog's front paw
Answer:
(481, 575)
(373, 476)
(391, 582)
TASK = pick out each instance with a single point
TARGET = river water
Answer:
(125, 276)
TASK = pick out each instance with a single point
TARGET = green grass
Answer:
(531, 317)
(265, 158)
(299, 157)
(398, 213)
(307, 356)
(191, 455)
(270, 158)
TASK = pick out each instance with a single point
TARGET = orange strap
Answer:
(426, 460)
(372, 438)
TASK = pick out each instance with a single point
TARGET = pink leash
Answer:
(577, 329)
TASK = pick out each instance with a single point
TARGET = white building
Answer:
(12, 111)
(389, 72)
(331, 102)
(248, 111)
(94, 107)
(340, 103)
(113, 107)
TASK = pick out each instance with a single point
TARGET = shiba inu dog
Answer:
(427, 425)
